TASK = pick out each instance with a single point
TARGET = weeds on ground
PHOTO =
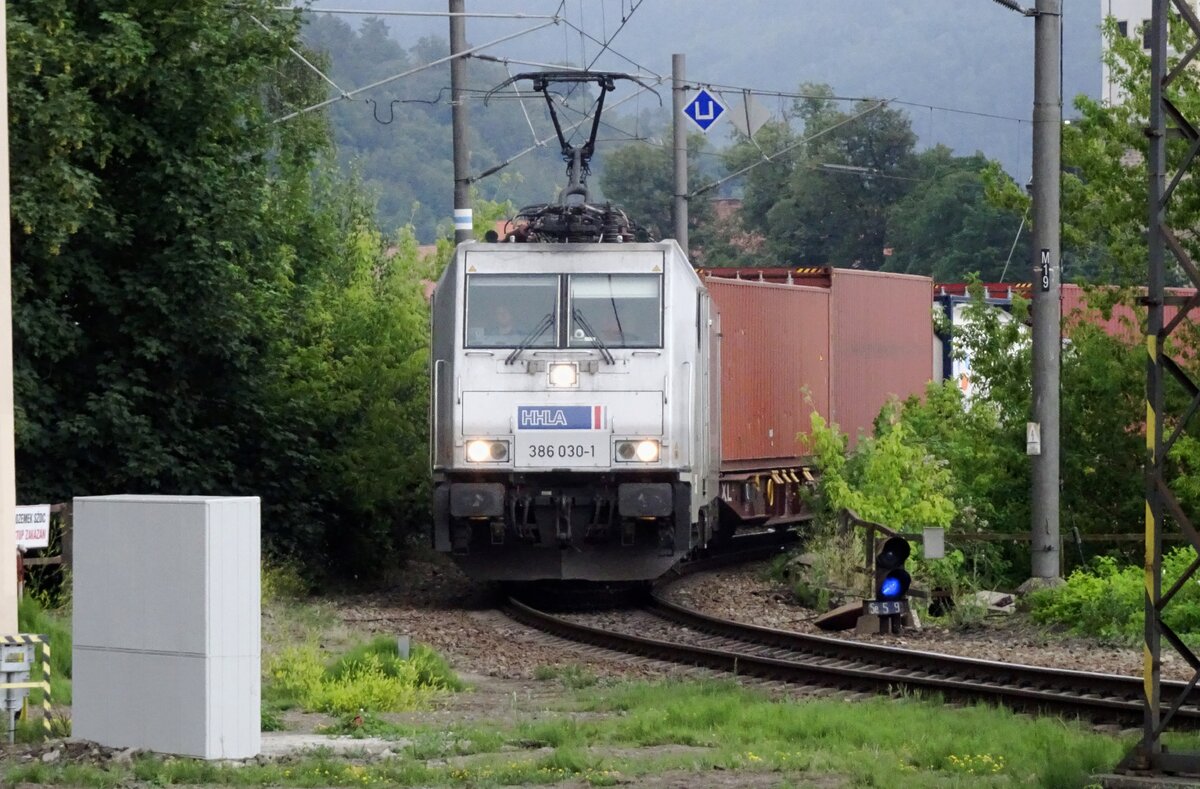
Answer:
(835, 571)
(33, 617)
(371, 677)
(695, 727)
(570, 675)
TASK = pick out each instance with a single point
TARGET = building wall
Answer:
(1134, 17)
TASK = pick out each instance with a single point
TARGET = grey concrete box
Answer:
(178, 704)
(166, 623)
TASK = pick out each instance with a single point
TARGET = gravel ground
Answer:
(743, 594)
(476, 638)
(499, 658)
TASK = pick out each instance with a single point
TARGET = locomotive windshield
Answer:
(612, 310)
(619, 310)
(506, 310)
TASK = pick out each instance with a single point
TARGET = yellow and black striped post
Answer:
(1163, 508)
(44, 643)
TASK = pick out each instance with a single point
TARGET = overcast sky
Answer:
(969, 56)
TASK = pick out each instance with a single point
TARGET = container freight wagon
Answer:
(839, 342)
(1122, 321)
(599, 411)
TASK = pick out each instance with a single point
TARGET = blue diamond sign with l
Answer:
(704, 110)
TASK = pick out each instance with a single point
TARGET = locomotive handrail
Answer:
(434, 403)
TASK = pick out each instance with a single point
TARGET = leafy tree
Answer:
(946, 228)
(201, 305)
(351, 369)
(891, 478)
(146, 241)
(641, 179)
(763, 185)
(1104, 180)
(829, 215)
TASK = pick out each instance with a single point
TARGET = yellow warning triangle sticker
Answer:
(471, 269)
(656, 269)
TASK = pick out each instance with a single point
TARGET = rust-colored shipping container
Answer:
(881, 329)
(1125, 322)
(841, 350)
(774, 357)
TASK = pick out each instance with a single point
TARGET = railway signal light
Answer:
(891, 579)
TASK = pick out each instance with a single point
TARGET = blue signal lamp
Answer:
(891, 579)
(894, 585)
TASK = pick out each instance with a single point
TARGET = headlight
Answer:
(564, 375)
(644, 451)
(485, 451)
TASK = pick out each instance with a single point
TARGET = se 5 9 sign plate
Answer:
(887, 607)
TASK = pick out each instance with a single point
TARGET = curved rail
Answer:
(851, 665)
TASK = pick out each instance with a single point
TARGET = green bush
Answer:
(283, 580)
(1107, 600)
(371, 677)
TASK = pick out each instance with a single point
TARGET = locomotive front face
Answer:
(565, 413)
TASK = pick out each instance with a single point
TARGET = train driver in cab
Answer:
(500, 329)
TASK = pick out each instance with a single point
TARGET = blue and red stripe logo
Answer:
(560, 417)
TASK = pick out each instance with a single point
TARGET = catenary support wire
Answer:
(411, 71)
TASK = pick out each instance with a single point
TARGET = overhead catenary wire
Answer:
(521, 99)
(606, 44)
(781, 151)
(605, 47)
(410, 72)
(303, 59)
(785, 94)
(1016, 238)
(507, 61)
(541, 143)
(369, 12)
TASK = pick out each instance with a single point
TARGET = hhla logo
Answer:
(565, 417)
(543, 417)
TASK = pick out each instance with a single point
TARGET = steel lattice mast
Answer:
(1161, 503)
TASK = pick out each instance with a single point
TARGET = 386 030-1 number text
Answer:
(566, 451)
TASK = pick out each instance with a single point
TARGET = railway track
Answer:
(666, 631)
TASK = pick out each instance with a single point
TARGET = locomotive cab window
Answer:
(507, 310)
(617, 310)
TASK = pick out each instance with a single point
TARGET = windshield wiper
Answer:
(595, 338)
(546, 322)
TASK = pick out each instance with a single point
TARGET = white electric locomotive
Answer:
(575, 410)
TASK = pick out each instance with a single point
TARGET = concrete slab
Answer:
(276, 744)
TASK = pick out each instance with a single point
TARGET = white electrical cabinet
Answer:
(166, 640)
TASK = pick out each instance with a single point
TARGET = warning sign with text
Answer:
(33, 526)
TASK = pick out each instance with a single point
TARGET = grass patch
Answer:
(571, 675)
(35, 618)
(886, 742)
(371, 677)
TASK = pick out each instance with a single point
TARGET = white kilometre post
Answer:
(8, 471)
